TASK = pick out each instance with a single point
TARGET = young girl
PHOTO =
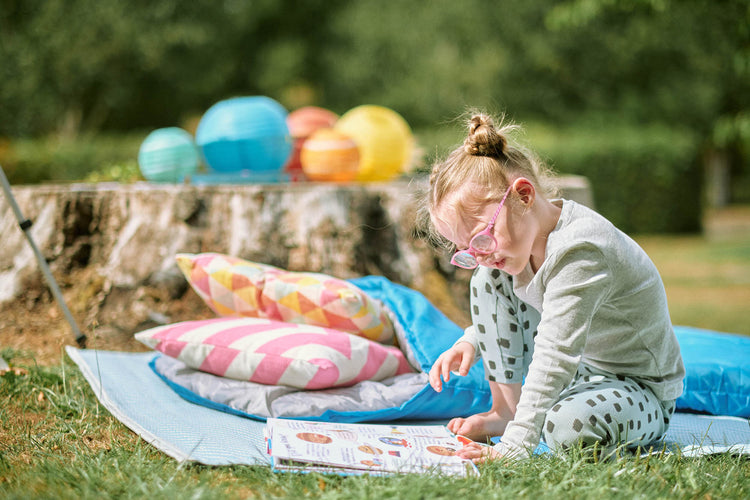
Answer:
(561, 300)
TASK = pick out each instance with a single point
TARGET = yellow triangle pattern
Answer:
(291, 301)
(317, 316)
(248, 295)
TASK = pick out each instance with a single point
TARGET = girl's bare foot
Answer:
(482, 426)
(479, 427)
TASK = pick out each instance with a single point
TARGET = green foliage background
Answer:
(633, 94)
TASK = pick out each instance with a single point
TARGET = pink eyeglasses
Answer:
(482, 243)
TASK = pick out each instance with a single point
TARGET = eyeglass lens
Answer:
(483, 243)
(465, 260)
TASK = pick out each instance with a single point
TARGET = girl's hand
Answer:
(478, 453)
(458, 358)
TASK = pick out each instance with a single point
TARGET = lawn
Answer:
(707, 277)
(57, 441)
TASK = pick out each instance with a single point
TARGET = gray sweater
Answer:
(602, 302)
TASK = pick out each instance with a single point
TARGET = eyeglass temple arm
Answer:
(500, 205)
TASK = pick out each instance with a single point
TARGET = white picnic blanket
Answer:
(135, 395)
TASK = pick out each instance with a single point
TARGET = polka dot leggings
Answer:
(597, 406)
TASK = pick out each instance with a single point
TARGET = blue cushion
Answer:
(429, 332)
(717, 367)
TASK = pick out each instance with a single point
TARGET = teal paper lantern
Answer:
(245, 134)
(168, 155)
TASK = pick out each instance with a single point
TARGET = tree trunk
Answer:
(718, 178)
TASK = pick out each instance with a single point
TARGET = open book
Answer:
(302, 446)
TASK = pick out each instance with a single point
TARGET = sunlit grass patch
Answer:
(707, 280)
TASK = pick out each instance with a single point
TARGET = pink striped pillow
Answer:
(276, 353)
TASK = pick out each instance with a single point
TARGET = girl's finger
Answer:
(434, 378)
(465, 365)
(471, 451)
(446, 371)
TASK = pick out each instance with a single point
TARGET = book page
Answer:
(372, 448)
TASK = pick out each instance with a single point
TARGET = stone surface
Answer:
(111, 247)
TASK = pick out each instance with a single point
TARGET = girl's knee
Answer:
(568, 425)
(589, 418)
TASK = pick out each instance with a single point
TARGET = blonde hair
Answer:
(489, 158)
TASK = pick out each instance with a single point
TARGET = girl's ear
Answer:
(525, 189)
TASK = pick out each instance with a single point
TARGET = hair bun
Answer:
(483, 138)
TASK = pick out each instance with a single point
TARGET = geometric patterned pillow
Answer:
(276, 353)
(229, 286)
(235, 287)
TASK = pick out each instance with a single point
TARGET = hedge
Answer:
(644, 179)
(32, 161)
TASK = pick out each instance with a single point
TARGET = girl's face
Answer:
(514, 232)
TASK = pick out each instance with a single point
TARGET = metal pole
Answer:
(25, 225)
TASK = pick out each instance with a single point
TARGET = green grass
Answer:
(707, 280)
(57, 441)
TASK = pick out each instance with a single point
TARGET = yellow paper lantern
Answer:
(329, 156)
(384, 139)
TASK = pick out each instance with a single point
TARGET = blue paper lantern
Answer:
(168, 155)
(245, 134)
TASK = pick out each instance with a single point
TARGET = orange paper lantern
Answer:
(329, 156)
(302, 123)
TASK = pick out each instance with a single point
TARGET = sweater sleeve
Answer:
(574, 285)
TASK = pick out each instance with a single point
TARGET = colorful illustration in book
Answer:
(369, 449)
(441, 450)
(314, 437)
(395, 441)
